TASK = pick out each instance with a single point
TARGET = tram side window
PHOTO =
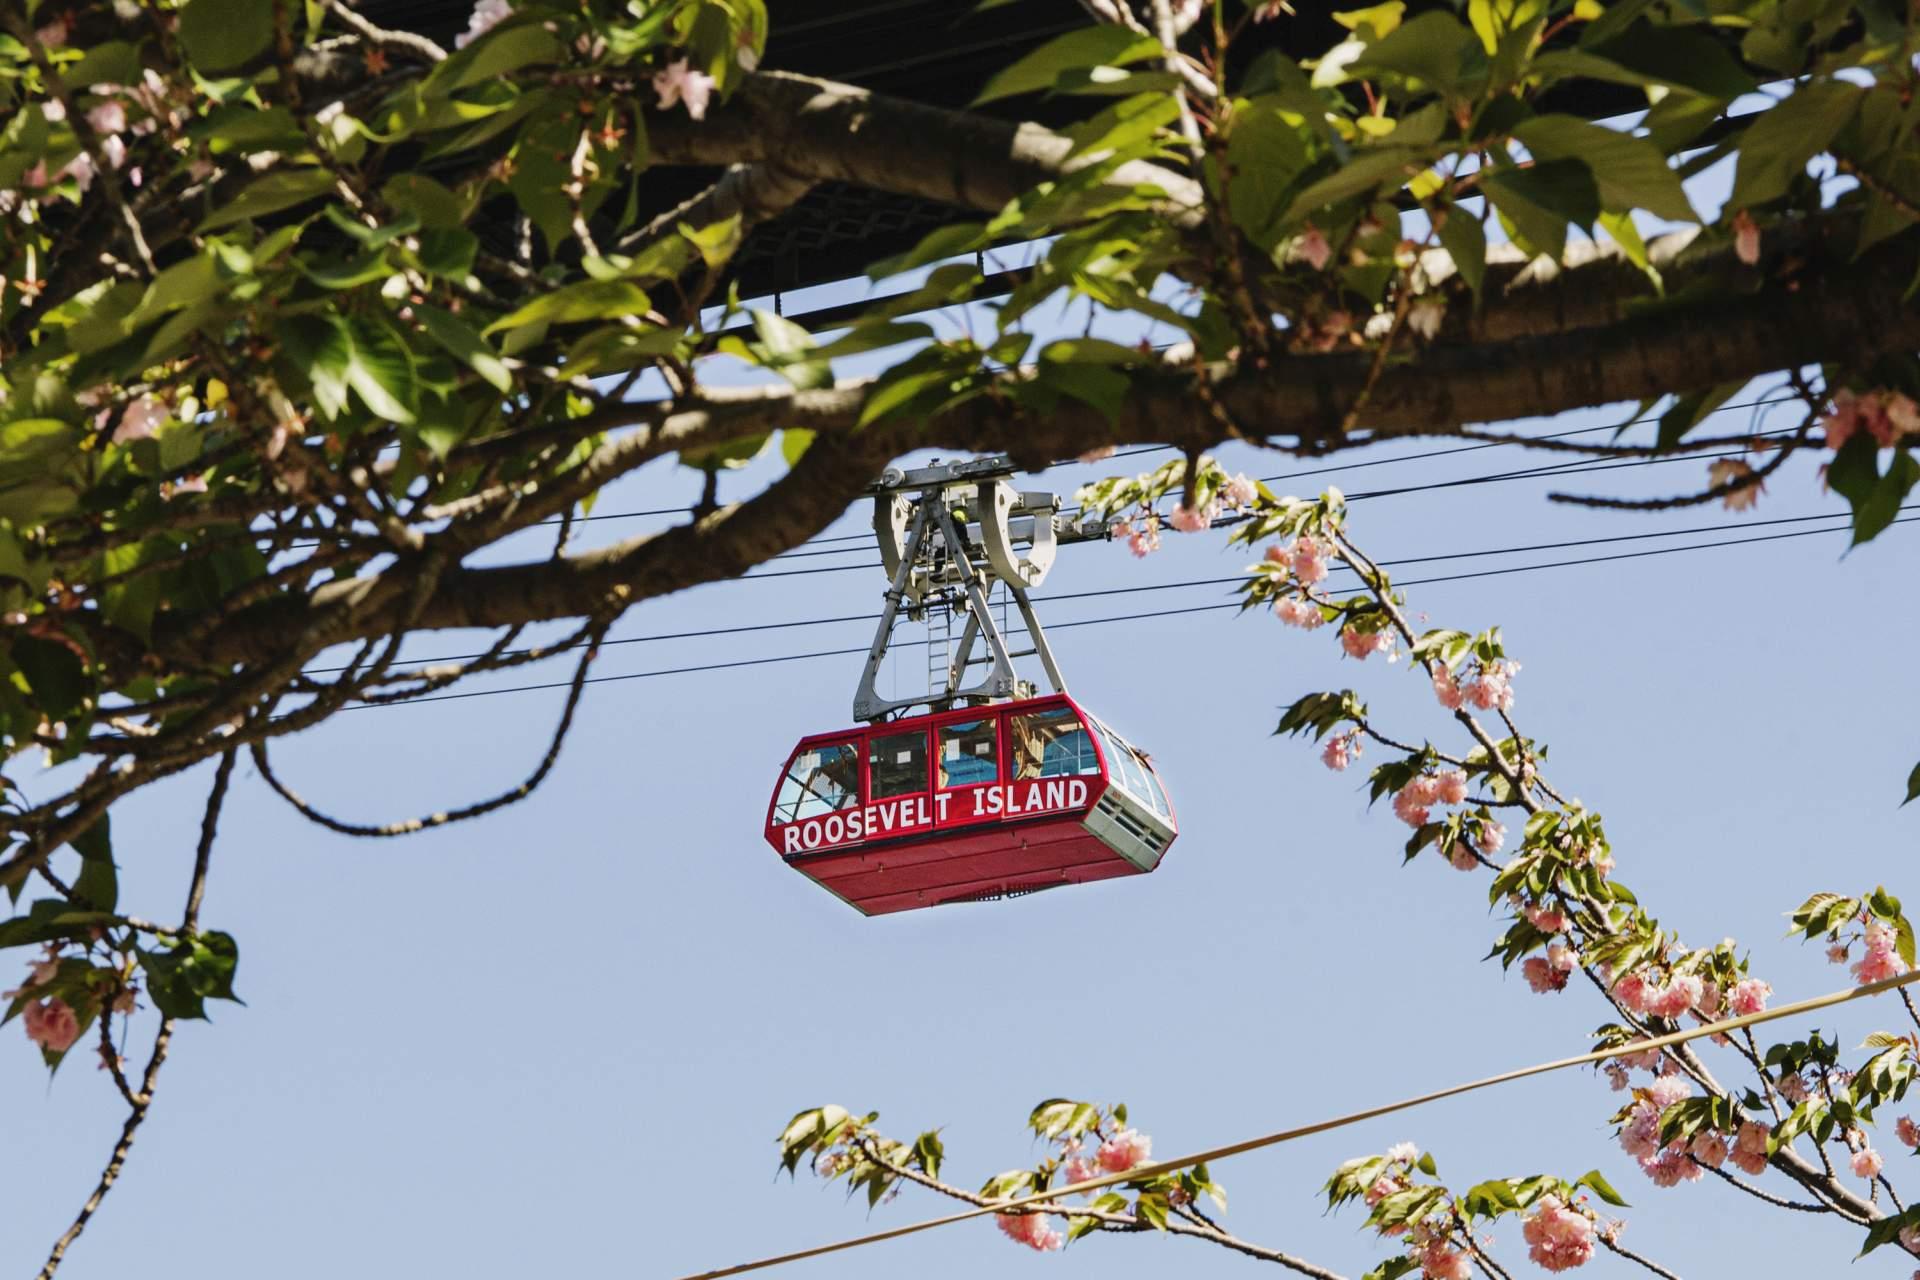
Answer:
(968, 753)
(1050, 744)
(897, 764)
(820, 780)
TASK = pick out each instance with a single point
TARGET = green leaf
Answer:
(1465, 241)
(786, 346)
(1775, 149)
(183, 976)
(1690, 410)
(458, 337)
(1544, 200)
(586, 300)
(433, 204)
(1913, 786)
(1097, 46)
(1677, 57)
(500, 51)
(98, 883)
(1434, 49)
(381, 369)
(1631, 172)
(281, 189)
(1871, 518)
(221, 34)
(1600, 1186)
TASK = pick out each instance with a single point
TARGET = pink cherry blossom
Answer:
(1452, 786)
(1903, 415)
(1380, 1188)
(1710, 1149)
(53, 35)
(1837, 953)
(1559, 1238)
(1403, 1153)
(1439, 1261)
(1446, 688)
(140, 420)
(1359, 644)
(1493, 686)
(1030, 1229)
(1078, 1169)
(1910, 1240)
(1908, 1132)
(1792, 1087)
(1491, 837)
(1186, 520)
(1145, 540)
(1462, 857)
(1307, 557)
(1545, 919)
(1125, 1150)
(1340, 751)
(1549, 973)
(108, 117)
(487, 15)
(51, 1024)
(1750, 1148)
(1616, 1077)
(1749, 995)
(1098, 454)
(1679, 996)
(1425, 316)
(1882, 960)
(1631, 992)
(674, 83)
(1240, 492)
(1671, 1166)
(1313, 247)
(1668, 1090)
(1296, 612)
(1842, 420)
(1746, 237)
(1865, 1163)
(1734, 471)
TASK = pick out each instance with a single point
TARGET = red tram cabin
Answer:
(969, 805)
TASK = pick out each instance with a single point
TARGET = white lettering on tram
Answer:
(910, 815)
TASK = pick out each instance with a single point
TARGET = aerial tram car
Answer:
(992, 789)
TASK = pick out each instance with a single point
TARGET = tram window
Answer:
(968, 753)
(1050, 744)
(820, 780)
(897, 764)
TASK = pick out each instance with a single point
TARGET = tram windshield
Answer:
(1126, 767)
(820, 780)
(1050, 744)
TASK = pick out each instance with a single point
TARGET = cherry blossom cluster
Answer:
(1486, 686)
(1887, 416)
(1413, 803)
(50, 1022)
(1670, 1163)
(1559, 1237)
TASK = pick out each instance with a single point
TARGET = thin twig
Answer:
(1631, 1256)
(139, 1103)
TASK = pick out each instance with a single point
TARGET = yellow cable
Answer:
(1340, 1122)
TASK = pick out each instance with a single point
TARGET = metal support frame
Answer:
(967, 531)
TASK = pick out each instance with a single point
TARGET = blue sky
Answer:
(564, 1038)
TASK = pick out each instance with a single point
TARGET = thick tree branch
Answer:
(828, 132)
